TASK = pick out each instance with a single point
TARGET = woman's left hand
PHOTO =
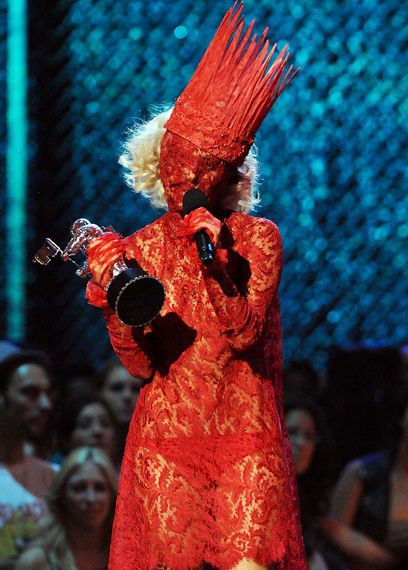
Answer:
(103, 253)
(201, 219)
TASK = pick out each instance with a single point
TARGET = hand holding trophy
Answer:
(132, 294)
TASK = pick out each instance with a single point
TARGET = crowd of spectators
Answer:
(62, 439)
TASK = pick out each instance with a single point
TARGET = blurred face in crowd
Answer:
(296, 383)
(94, 428)
(28, 399)
(88, 497)
(303, 439)
(121, 390)
(404, 427)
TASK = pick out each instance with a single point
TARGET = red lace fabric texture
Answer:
(207, 472)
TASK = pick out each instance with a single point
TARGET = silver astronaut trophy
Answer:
(135, 296)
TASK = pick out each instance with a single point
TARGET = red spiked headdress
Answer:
(231, 91)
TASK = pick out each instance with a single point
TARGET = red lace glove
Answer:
(201, 219)
(102, 254)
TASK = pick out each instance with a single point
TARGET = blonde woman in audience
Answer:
(75, 535)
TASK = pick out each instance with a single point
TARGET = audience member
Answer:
(371, 499)
(77, 380)
(76, 533)
(89, 421)
(121, 390)
(403, 350)
(301, 380)
(24, 414)
(310, 444)
(362, 384)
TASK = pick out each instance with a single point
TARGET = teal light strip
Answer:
(16, 169)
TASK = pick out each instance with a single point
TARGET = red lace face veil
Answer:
(215, 119)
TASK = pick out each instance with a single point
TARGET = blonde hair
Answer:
(52, 532)
(141, 157)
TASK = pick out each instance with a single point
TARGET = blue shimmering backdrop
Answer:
(332, 151)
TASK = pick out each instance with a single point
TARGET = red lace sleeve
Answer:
(242, 317)
(130, 345)
(96, 295)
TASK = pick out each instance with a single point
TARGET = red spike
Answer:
(233, 88)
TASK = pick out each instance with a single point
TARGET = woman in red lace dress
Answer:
(207, 473)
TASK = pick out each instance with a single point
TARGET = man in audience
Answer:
(25, 408)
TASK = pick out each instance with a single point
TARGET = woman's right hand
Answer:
(201, 219)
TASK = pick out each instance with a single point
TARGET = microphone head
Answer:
(193, 199)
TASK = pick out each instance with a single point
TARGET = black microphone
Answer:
(192, 200)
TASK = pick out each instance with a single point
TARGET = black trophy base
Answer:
(136, 297)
